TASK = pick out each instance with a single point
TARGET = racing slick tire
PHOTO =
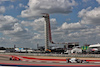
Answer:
(78, 61)
(67, 60)
(10, 58)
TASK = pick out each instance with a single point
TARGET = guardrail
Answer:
(56, 55)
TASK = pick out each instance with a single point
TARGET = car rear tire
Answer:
(10, 59)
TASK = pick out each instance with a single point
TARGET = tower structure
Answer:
(48, 37)
(46, 27)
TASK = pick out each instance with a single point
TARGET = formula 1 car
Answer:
(14, 58)
(74, 60)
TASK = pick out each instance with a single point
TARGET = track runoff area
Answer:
(24, 61)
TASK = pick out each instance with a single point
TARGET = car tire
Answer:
(10, 59)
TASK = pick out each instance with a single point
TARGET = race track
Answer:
(4, 61)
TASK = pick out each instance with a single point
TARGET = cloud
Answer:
(84, 31)
(68, 32)
(38, 36)
(1, 1)
(2, 9)
(7, 0)
(29, 33)
(11, 6)
(22, 34)
(38, 24)
(19, 32)
(21, 5)
(98, 1)
(85, 1)
(90, 16)
(72, 26)
(83, 11)
(7, 22)
(86, 35)
(13, 32)
(9, 26)
(12, 0)
(36, 7)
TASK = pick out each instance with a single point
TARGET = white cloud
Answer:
(90, 16)
(87, 35)
(98, 1)
(13, 32)
(21, 5)
(38, 36)
(7, 22)
(2, 9)
(9, 26)
(29, 32)
(72, 32)
(72, 26)
(11, 6)
(5, 1)
(19, 32)
(38, 24)
(36, 7)
(87, 30)
(83, 11)
(12, 0)
(85, 1)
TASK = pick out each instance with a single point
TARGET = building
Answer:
(71, 47)
(95, 48)
(2, 49)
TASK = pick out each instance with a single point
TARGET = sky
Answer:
(22, 24)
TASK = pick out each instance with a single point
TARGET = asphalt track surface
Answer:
(4, 61)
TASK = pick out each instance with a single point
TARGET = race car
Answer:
(14, 58)
(74, 60)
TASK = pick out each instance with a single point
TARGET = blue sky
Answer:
(71, 21)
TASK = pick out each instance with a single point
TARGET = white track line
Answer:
(62, 62)
(96, 62)
(49, 61)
